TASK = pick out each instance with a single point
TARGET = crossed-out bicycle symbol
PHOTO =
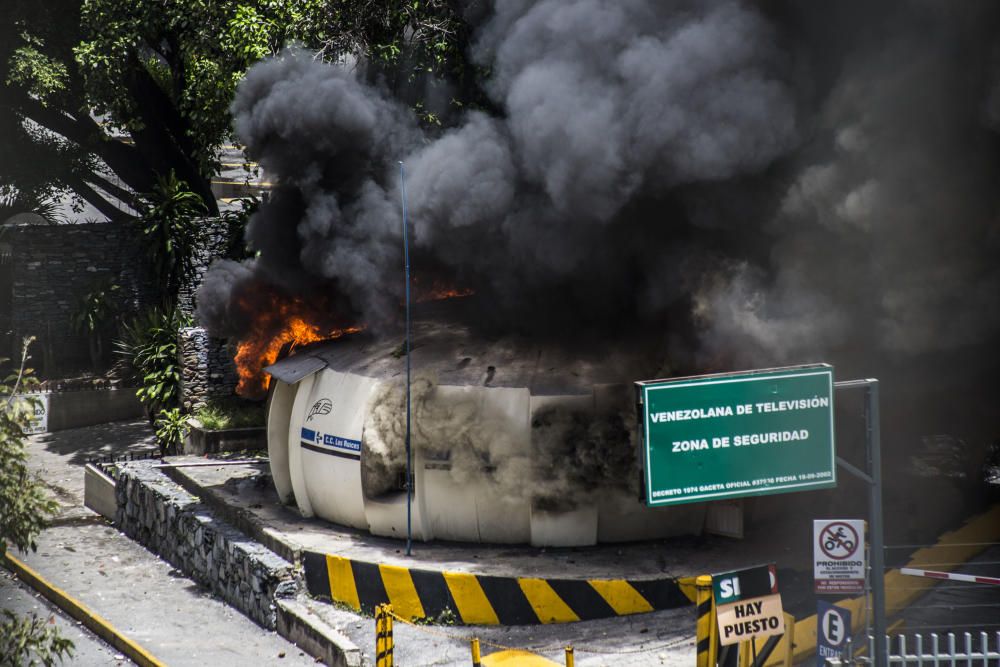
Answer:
(838, 540)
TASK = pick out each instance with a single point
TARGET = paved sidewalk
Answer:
(141, 595)
(88, 648)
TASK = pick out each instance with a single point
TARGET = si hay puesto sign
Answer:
(747, 604)
(738, 434)
(839, 556)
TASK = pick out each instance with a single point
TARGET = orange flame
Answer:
(280, 320)
(293, 321)
(255, 354)
(439, 291)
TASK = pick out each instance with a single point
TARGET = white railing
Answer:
(933, 649)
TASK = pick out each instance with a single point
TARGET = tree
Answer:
(161, 76)
(26, 505)
(169, 224)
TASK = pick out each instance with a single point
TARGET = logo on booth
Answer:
(321, 407)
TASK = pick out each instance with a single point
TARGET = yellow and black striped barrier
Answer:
(474, 599)
(384, 643)
(706, 632)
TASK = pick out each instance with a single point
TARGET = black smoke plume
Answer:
(767, 182)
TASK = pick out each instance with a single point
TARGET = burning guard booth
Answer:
(333, 430)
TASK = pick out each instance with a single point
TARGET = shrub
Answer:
(171, 429)
(23, 640)
(230, 413)
(148, 348)
(170, 225)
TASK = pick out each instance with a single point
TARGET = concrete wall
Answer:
(170, 522)
(73, 409)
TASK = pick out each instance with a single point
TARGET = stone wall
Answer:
(207, 368)
(54, 267)
(172, 523)
(211, 246)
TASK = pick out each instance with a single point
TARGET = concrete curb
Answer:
(476, 599)
(79, 611)
(301, 625)
(162, 501)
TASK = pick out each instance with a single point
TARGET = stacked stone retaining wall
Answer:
(207, 368)
(54, 267)
(177, 526)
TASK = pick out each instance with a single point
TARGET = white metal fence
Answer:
(970, 649)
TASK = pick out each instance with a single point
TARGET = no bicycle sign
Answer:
(738, 434)
(839, 556)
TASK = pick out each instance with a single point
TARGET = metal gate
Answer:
(934, 649)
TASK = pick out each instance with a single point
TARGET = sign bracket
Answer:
(857, 472)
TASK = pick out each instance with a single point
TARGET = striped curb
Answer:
(475, 599)
(79, 611)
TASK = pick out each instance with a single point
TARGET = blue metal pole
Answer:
(406, 266)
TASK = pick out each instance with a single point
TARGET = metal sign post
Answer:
(406, 267)
(873, 477)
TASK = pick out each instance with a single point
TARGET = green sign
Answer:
(732, 435)
(753, 582)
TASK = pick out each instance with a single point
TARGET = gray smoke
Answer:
(884, 239)
(604, 104)
(458, 428)
(570, 455)
(764, 182)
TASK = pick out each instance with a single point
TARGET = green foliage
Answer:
(36, 71)
(22, 496)
(164, 74)
(194, 51)
(148, 347)
(97, 308)
(171, 429)
(14, 201)
(94, 317)
(31, 640)
(170, 225)
(230, 413)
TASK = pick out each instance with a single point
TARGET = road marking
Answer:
(402, 593)
(473, 605)
(620, 596)
(81, 612)
(548, 606)
(342, 585)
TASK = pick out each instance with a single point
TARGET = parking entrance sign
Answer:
(833, 630)
(738, 434)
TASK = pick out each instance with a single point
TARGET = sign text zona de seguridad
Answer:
(741, 440)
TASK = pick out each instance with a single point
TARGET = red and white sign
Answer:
(839, 556)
